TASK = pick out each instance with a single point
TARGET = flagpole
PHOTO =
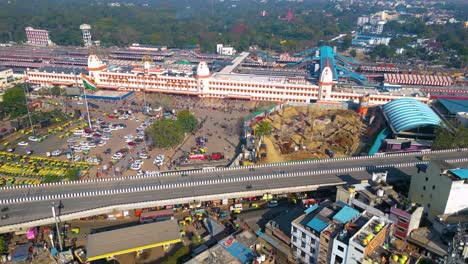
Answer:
(87, 108)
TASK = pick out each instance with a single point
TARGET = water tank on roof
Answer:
(380, 192)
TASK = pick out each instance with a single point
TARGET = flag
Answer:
(88, 83)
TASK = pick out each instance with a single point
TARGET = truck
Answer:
(156, 216)
(198, 157)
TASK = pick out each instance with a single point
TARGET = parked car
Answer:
(272, 203)
(23, 143)
(56, 152)
(33, 138)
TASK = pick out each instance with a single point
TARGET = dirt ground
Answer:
(304, 132)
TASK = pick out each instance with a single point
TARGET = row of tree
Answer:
(167, 133)
(174, 23)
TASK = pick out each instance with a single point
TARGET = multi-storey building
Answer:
(313, 233)
(366, 240)
(224, 84)
(405, 220)
(37, 37)
(440, 188)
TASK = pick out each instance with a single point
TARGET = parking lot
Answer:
(116, 147)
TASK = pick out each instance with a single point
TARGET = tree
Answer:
(445, 139)
(263, 128)
(165, 133)
(14, 102)
(187, 120)
(353, 53)
(72, 174)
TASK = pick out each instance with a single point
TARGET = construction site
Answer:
(309, 132)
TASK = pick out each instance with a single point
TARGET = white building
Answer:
(366, 240)
(440, 188)
(223, 84)
(462, 118)
(362, 20)
(38, 37)
(5, 75)
(222, 50)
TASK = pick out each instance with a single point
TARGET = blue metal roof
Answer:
(454, 106)
(408, 113)
(345, 214)
(328, 56)
(311, 209)
(317, 224)
(460, 173)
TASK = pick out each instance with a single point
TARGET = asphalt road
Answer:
(23, 212)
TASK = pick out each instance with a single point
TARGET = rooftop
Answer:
(454, 106)
(460, 173)
(407, 113)
(120, 241)
(345, 215)
(256, 78)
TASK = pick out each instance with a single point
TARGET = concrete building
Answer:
(379, 27)
(223, 84)
(367, 239)
(37, 37)
(462, 118)
(440, 188)
(6, 74)
(362, 40)
(405, 220)
(362, 20)
(86, 33)
(222, 50)
(339, 251)
(313, 233)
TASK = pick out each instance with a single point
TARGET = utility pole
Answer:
(27, 107)
(57, 227)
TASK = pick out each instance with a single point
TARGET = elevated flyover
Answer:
(30, 205)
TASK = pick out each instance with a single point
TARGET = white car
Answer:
(85, 148)
(106, 130)
(56, 152)
(105, 137)
(128, 136)
(71, 140)
(138, 162)
(92, 145)
(117, 156)
(77, 149)
(135, 167)
(92, 160)
(76, 158)
(79, 103)
(101, 143)
(143, 156)
(23, 143)
(33, 138)
(83, 143)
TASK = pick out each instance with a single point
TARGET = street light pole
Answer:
(57, 226)
(27, 107)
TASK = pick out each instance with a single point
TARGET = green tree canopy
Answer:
(187, 120)
(263, 128)
(352, 53)
(445, 139)
(165, 133)
(13, 104)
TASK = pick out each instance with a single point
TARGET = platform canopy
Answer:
(407, 113)
(132, 239)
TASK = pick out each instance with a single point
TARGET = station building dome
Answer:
(202, 70)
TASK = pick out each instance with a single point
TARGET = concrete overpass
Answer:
(31, 205)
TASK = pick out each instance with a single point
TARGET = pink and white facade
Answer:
(37, 37)
(216, 85)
